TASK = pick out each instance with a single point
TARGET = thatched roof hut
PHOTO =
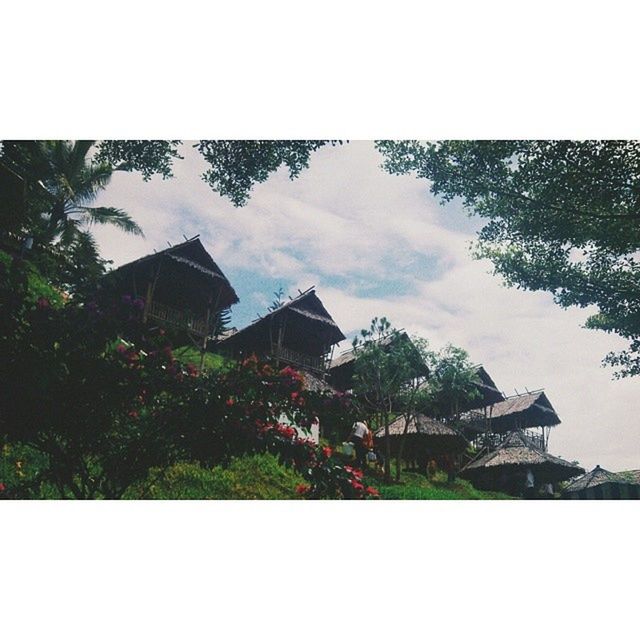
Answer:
(600, 484)
(342, 367)
(301, 332)
(522, 411)
(425, 434)
(512, 458)
(182, 286)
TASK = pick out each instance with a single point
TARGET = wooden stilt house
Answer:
(531, 412)
(505, 468)
(300, 333)
(182, 288)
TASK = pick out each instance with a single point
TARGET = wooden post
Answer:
(147, 301)
(205, 339)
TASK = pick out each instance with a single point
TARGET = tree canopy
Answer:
(562, 216)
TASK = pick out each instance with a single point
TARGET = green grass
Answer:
(257, 477)
(191, 355)
(415, 486)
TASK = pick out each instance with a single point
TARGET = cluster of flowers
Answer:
(325, 476)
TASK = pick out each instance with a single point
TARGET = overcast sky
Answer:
(375, 244)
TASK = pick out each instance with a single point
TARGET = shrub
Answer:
(102, 410)
(256, 477)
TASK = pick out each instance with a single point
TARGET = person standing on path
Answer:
(359, 436)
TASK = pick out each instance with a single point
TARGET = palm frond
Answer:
(90, 181)
(68, 231)
(111, 215)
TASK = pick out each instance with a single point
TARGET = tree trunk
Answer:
(387, 457)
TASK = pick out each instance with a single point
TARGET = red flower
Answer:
(3, 486)
(229, 402)
(301, 489)
(192, 370)
(357, 473)
(372, 491)
(133, 414)
(358, 486)
(327, 451)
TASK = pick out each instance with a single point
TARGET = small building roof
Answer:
(517, 451)
(632, 475)
(596, 477)
(488, 391)
(306, 318)
(426, 434)
(420, 425)
(522, 411)
(194, 274)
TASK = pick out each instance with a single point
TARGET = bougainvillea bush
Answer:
(101, 398)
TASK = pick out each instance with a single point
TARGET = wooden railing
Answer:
(177, 318)
(316, 363)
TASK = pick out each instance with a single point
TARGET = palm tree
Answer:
(70, 181)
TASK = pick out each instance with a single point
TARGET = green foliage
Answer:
(278, 300)
(237, 165)
(451, 383)
(61, 184)
(149, 157)
(254, 477)
(36, 286)
(386, 362)
(388, 376)
(23, 473)
(562, 216)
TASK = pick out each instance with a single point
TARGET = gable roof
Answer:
(489, 392)
(518, 451)
(596, 477)
(420, 425)
(306, 307)
(522, 411)
(190, 254)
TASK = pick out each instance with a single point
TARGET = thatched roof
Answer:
(522, 411)
(309, 328)
(632, 476)
(422, 424)
(342, 367)
(488, 392)
(316, 383)
(518, 452)
(596, 477)
(188, 277)
(432, 434)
